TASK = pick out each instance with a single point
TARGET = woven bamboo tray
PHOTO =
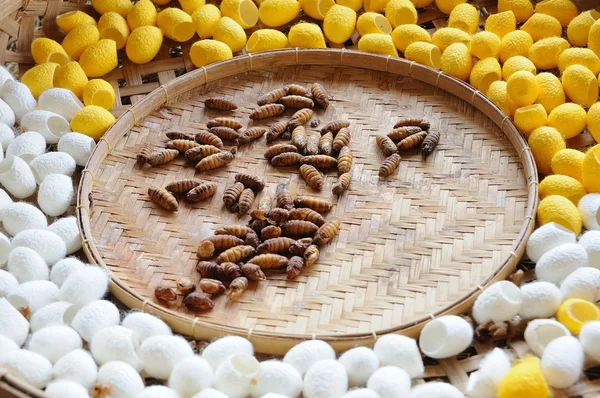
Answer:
(411, 248)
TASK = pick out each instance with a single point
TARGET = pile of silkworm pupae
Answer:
(408, 133)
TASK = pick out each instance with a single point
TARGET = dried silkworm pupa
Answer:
(201, 192)
(182, 145)
(430, 142)
(163, 198)
(182, 186)
(232, 270)
(412, 141)
(326, 144)
(296, 89)
(335, 126)
(272, 96)
(235, 254)
(320, 95)
(257, 225)
(225, 133)
(296, 102)
(224, 122)
(311, 255)
(142, 156)
(299, 137)
(276, 245)
(317, 204)
(344, 160)
(299, 247)
(294, 267)
(342, 139)
(422, 123)
(246, 200)
(198, 301)
(320, 161)
(177, 134)
(276, 130)
(283, 198)
(206, 138)
(252, 239)
(253, 182)
(220, 104)
(278, 149)
(185, 285)
(312, 144)
(264, 207)
(400, 133)
(215, 161)
(342, 184)
(300, 118)
(212, 286)
(269, 261)
(253, 272)
(270, 232)
(232, 194)
(252, 134)
(222, 242)
(165, 293)
(390, 164)
(200, 152)
(161, 156)
(266, 111)
(212, 270)
(326, 232)
(299, 228)
(312, 176)
(277, 215)
(237, 288)
(386, 145)
(286, 159)
(236, 230)
(307, 215)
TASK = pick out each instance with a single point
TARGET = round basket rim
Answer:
(264, 341)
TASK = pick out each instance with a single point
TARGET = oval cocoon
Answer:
(12, 324)
(220, 349)
(589, 206)
(77, 366)
(62, 102)
(274, 13)
(92, 318)
(62, 269)
(325, 379)
(484, 383)
(33, 295)
(30, 367)
(7, 116)
(20, 216)
(589, 336)
(7, 346)
(67, 229)
(339, 23)
(591, 243)
(55, 194)
(84, 285)
(143, 44)
(116, 343)
(583, 283)
(190, 376)
(266, 39)
(236, 375)
(540, 332)
(562, 362)
(546, 238)
(435, 389)
(7, 134)
(17, 178)
(160, 354)
(19, 98)
(26, 265)
(500, 302)
(279, 378)
(389, 382)
(302, 356)
(7, 283)
(124, 379)
(540, 300)
(445, 336)
(47, 244)
(146, 325)
(49, 124)
(49, 315)
(54, 342)
(400, 351)
(52, 163)
(560, 262)
(79, 146)
(65, 389)
(360, 363)
(27, 146)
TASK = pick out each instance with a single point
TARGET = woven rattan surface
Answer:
(412, 246)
